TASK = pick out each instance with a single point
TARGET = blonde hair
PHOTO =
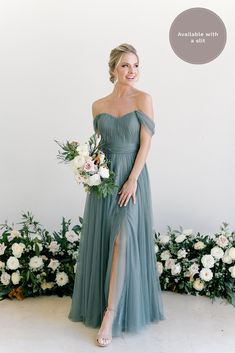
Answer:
(116, 55)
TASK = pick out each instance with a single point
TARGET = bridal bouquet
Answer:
(89, 165)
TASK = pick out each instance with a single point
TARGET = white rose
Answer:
(194, 268)
(176, 269)
(5, 278)
(83, 150)
(180, 238)
(159, 268)
(199, 245)
(15, 277)
(165, 255)
(181, 253)
(35, 262)
(17, 249)
(198, 284)
(163, 239)
(231, 253)
(169, 263)
(222, 241)
(13, 263)
(227, 259)
(71, 236)
(156, 248)
(208, 261)
(232, 271)
(206, 274)
(217, 252)
(89, 165)
(103, 172)
(94, 180)
(77, 163)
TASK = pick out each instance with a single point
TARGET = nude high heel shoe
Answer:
(103, 339)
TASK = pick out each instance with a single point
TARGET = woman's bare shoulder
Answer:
(145, 103)
(98, 104)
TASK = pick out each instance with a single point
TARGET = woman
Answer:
(116, 283)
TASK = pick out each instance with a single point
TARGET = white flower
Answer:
(17, 249)
(89, 165)
(103, 172)
(61, 278)
(217, 252)
(165, 255)
(5, 278)
(14, 234)
(187, 231)
(206, 274)
(232, 271)
(208, 261)
(2, 265)
(159, 268)
(198, 284)
(231, 253)
(54, 264)
(77, 163)
(163, 239)
(156, 248)
(94, 180)
(2, 248)
(222, 241)
(83, 150)
(54, 246)
(169, 263)
(15, 277)
(47, 285)
(193, 269)
(199, 245)
(36, 262)
(75, 267)
(181, 253)
(13, 263)
(33, 236)
(71, 236)
(226, 258)
(175, 269)
(180, 238)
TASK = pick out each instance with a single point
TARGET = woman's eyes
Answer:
(127, 65)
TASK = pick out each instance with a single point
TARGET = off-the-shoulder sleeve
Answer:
(95, 125)
(147, 122)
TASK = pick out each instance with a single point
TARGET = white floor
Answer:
(192, 325)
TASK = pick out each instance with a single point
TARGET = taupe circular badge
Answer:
(197, 35)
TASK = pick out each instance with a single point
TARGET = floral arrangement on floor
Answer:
(34, 262)
(197, 264)
(89, 165)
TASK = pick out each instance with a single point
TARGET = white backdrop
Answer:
(54, 64)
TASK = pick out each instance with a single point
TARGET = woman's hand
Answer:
(127, 191)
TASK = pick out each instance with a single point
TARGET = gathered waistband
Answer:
(121, 148)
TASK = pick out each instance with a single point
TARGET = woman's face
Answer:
(127, 70)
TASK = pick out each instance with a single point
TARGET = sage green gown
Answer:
(137, 295)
